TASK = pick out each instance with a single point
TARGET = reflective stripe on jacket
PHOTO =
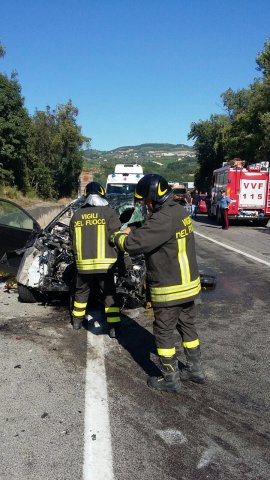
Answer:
(167, 240)
(90, 230)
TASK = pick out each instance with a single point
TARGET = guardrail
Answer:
(43, 214)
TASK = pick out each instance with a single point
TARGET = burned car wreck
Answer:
(43, 262)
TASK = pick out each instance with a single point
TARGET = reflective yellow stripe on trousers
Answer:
(193, 344)
(166, 352)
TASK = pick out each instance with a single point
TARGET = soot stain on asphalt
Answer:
(53, 332)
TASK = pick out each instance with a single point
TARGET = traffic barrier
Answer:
(43, 214)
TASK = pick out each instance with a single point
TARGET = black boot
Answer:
(170, 380)
(114, 329)
(193, 369)
(77, 323)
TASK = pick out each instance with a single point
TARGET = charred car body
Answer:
(43, 262)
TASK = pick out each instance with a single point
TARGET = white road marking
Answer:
(172, 436)
(98, 463)
(233, 249)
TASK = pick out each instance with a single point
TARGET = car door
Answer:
(17, 228)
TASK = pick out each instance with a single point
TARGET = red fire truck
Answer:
(249, 190)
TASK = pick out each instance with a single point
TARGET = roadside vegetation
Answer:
(243, 130)
(29, 199)
(41, 156)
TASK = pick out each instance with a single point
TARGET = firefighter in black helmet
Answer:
(90, 230)
(167, 240)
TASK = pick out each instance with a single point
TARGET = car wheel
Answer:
(26, 295)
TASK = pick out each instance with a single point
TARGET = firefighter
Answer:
(90, 230)
(167, 240)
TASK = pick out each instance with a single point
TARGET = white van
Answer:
(124, 179)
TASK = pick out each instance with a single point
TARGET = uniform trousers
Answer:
(167, 319)
(86, 283)
(224, 218)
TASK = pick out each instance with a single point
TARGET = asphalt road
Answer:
(219, 430)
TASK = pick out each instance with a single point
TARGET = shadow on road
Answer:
(265, 230)
(140, 344)
(134, 338)
(205, 221)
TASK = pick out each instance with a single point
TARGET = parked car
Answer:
(43, 262)
(202, 207)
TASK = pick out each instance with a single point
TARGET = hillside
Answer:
(175, 162)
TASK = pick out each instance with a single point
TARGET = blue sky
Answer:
(138, 70)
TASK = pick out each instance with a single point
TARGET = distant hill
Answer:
(144, 150)
(175, 162)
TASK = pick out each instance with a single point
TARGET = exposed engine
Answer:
(48, 263)
(56, 260)
(130, 284)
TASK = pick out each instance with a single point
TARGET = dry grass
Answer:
(15, 196)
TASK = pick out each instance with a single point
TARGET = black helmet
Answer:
(94, 188)
(152, 187)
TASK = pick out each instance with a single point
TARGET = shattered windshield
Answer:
(124, 206)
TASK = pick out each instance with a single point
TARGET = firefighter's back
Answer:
(91, 228)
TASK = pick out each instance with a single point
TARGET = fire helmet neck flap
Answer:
(152, 187)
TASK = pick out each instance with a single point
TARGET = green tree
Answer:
(57, 156)
(249, 132)
(245, 129)
(210, 137)
(43, 155)
(70, 140)
(235, 102)
(14, 133)
(263, 60)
